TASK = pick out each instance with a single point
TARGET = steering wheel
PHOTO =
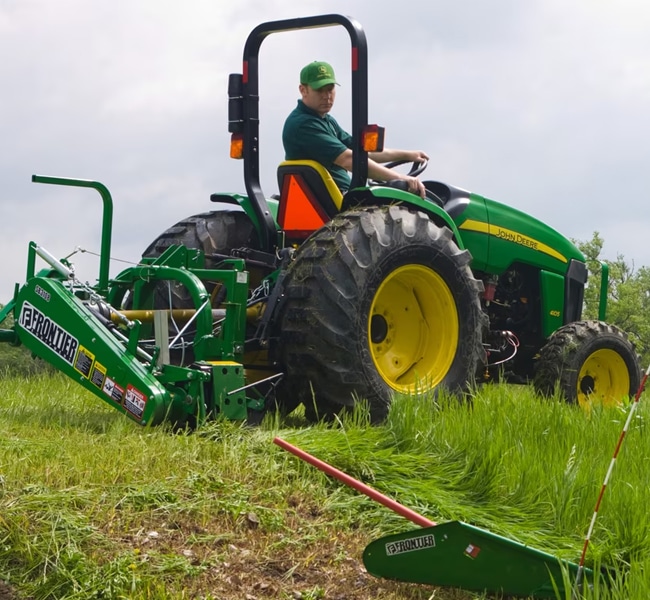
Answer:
(416, 168)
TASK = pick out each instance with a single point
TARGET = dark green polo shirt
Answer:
(308, 136)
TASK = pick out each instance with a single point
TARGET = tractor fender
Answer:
(244, 202)
(382, 195)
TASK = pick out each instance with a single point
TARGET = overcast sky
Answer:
(540, 104)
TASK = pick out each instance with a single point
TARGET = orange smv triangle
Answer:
(300, 213)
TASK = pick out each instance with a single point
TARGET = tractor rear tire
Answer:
(379, 301)
(589, 362)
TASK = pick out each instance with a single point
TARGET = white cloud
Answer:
(539, 104)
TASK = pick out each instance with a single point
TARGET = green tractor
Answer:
(322, 299)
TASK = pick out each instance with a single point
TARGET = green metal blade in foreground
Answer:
(459, 555)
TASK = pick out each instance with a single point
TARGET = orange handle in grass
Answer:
(400, 509)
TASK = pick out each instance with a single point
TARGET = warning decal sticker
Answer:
(135, 401)
(84, 361)
(113, 391)
(472, 551)
(98, 374)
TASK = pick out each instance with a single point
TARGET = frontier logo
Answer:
(48, 332)
(410, 545)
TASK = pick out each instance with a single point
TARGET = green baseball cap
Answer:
(317, 74)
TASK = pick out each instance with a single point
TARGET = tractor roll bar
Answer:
(250, 80)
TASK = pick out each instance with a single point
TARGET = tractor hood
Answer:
(498, 235)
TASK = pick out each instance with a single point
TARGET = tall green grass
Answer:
(92, 506)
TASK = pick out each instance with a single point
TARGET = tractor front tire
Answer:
(590, 362)
(379, 301)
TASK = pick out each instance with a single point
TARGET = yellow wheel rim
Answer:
(413, 329)
(603, 379)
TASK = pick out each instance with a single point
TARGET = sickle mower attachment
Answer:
(459, 555)
(456, 554)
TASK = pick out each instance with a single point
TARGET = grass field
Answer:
(93, 506)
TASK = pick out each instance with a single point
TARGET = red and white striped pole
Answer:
(635, 404)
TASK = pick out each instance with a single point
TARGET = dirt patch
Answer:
(253, 564)
(7, 592)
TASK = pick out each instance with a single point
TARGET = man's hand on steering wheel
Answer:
(416, 186)
(419, 161)
(417, 156)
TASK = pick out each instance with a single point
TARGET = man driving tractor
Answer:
(311, 133)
